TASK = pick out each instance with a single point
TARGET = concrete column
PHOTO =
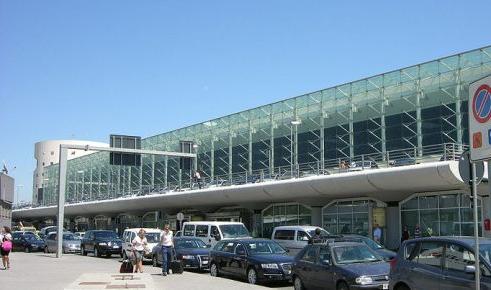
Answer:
(317, 216)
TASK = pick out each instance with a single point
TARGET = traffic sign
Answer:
(480, 119)
(465, 168)
(180, 216)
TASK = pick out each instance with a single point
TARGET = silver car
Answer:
(71, 244)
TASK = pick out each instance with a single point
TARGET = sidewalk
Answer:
(45, 272)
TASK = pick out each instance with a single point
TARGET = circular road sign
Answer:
(481, 104)
(180, 216)
(464, 168)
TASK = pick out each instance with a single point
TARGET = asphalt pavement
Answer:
(46, 272)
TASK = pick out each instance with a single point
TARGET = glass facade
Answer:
(448, 214)
(288, 214)
(347, 217)
(416, 108)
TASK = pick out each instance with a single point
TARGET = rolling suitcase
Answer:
(175, 264)
(126, 267)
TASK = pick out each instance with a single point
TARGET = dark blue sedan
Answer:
(340, 266)
(256, 260)
(193, 253)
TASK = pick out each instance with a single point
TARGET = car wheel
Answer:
(155, 263)
(297, 284)
(252, 276)
(402, 287)
(27, 250)
(96, 252)
(84, 253)
(342, 286)
(46, 249)
(214, 270)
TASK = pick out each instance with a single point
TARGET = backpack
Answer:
(7, 245)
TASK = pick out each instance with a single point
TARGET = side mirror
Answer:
(470, 269)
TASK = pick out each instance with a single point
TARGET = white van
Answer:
(295, 238)
(212, 232)
(152, 235)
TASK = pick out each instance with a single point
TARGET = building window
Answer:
(285, 214)
(52, 153)
(348, 216)
(448, 214)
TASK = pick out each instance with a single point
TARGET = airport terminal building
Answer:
(380, 150)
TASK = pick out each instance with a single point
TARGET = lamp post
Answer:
(294, 156)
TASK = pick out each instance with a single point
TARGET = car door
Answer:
(322, 271)
(51, 243)
(305, 265)
(238, 261)
(226, 255)
(425, 269)
(457, 257)
(214, 233)
(286, 238)
(17, 241)
(89, 245)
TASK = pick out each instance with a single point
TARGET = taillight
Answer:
(393, 263)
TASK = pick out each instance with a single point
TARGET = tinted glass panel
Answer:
(284, 235)
(430, 254)
(457, 257)
(189, 230)
(202, 231)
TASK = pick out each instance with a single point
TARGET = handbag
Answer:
(126, 267)
(7, 245)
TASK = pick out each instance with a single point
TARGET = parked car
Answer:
(340, 266)
(101, 242)
(362, 165)
(153, 238)
(79, 235)
(295, 238)
(440, 263)
(402, 161)
(256, 260)
(378, 248)
(193, 253)
(27, 242)
(71, 244)
(49, 229)
(212, 232)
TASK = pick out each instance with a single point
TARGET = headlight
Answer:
(269, 266)
(102, 244)
(363, 280)
(188, 257)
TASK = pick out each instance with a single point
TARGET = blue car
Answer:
(193, 253)
(257, 260)
(378, 248)
(340, 266)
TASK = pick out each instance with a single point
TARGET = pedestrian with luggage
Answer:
(167, 249)
(139, 244)
(6, 247)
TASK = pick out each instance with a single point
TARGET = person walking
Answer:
(405, 234)
(316, 238)
(377, 234)
(167, 245)
(6, 247)
(417, 232)
(139, 244)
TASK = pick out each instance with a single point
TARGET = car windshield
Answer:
(189, 244)
(234, 231)
(32, 238)
(264, 248)
(372, 244)
(485, 250)
(324, 233)
(354, 254)
(109, 235)
(69, 237)
(152, 237)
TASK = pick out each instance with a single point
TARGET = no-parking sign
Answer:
(480, 119)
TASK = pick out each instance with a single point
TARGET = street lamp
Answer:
(293, 163)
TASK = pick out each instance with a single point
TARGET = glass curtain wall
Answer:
(439, 215)
(289, 214)
(413, 107)
(348, 217)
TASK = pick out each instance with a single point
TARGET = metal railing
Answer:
(394, 158)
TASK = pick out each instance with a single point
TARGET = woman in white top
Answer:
(139, 244)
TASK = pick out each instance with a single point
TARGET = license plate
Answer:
(385, 286)
(205, 262)
(115, 247)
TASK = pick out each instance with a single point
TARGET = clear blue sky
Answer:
(86, 69)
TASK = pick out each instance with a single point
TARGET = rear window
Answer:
(288, 235)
